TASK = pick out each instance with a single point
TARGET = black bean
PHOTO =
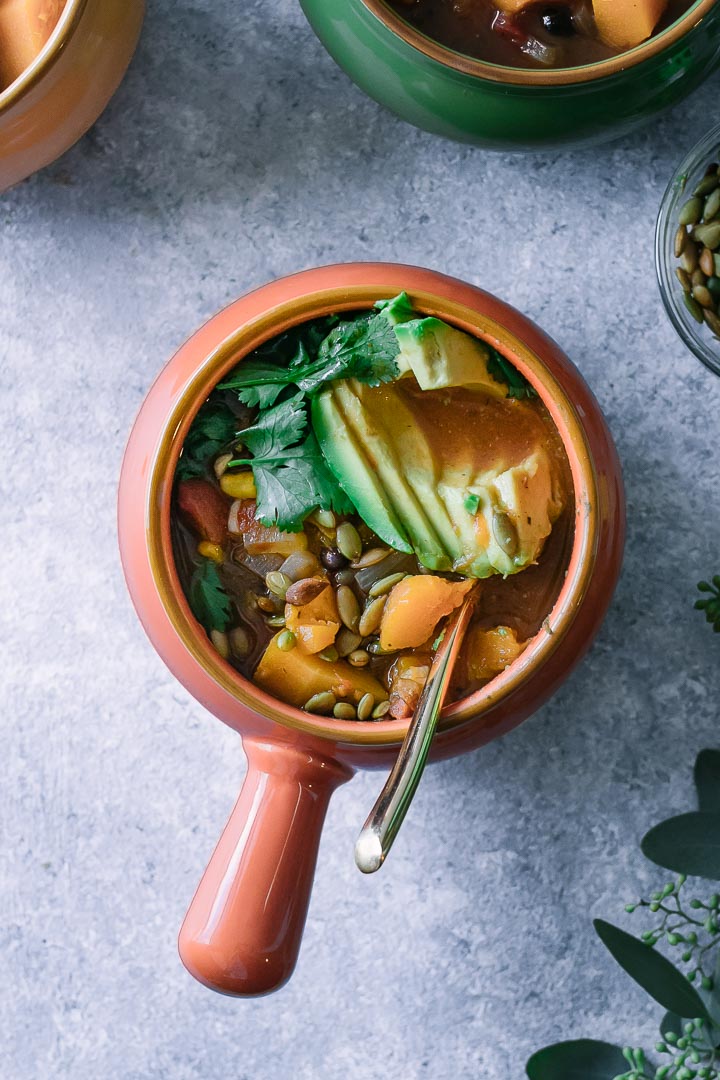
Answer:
(332, 559)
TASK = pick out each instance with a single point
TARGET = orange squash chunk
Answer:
(513, 6)
(25, 26)
(625, 23)
(415, 607)
(316, 623)
(489, 652)
(296, 676)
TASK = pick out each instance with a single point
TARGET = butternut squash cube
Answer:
(296, 676)
(623, 24)
(489, 652)
(316, 623)
(415, 607)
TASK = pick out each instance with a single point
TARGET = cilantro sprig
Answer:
(213, 427)
(290, 473)
(210, 603)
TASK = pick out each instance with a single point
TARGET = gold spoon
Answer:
(382, 826)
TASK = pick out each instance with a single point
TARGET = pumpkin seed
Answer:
(366, 704)
(325, 519)
(344, 711)
(384, 585)
(221, 643)
(698, 278)
(680, 241)
(693, 307)
(707, 262)
(358, 658)
(712, 205)
(505, 533)
(304, 591)
(708, 183)
(239, 642)
(278, 583)
(320, 703)
(689, 257)
(276, 620)
(265, 603)
(221, 463)
(712, 321)
(691, 211)
(345, 577)
(330, 654)
(300, 564)
(683, 278)
(371, 557)
(348, 607)
(346, 642)
(381, 710)
(708, 234)
(716, 260)
(703, 296)
(286, 641)
(371, 616)
(348, 541)
(375, 648)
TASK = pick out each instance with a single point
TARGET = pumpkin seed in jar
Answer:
(348, 607)
(344, 711)
(347, 642)
(371, 557)
(691, 211)
(278, 583)
(221, 643)
(371, 616)
(683, 278)
(321, 703)
(286, 641)
(712, 205)
(712, 321)
(689, 257)
(680, 241)
(366, 704)
(708, 234)
(381, 710)
(384, 585)
(703, 296)
(707, 263)
(708, 183)
(693, 307)
(358, 658)
(505, 533)
(348, 541)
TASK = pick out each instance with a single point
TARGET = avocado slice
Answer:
(397, 310)
(440, 355)
(346, 458)
(367, 427)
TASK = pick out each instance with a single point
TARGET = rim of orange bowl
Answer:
(212, 370)
(481, 69)
(50, 52)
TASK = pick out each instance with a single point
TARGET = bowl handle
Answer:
(242, 932)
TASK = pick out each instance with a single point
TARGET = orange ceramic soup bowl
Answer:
(64, 90)
(242, 932)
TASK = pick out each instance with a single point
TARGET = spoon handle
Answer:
(379, 831)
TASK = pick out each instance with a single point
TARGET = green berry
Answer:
(714, 902)
(673, 939)
(630, 908)
(706, 983)
(695, 904)
(654, 906)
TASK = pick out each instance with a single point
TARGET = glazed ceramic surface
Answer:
(243, 929)
(504, 108)
(64, 91)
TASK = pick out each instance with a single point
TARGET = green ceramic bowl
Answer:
(450, 94)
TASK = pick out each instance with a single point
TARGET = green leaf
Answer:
(292, 487)
(688, 844)
(364, 349)
(276, 429)
(503, 371)
(209, 602)
(581, 1059)
(652, 971)
(707, 780)
(211, 430)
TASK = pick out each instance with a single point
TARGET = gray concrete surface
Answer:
(235, 151)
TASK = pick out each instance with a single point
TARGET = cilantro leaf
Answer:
(503, 371)
(276, 428)
(212, 428)
(209, 602)
(365, 349)
(293, 485)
